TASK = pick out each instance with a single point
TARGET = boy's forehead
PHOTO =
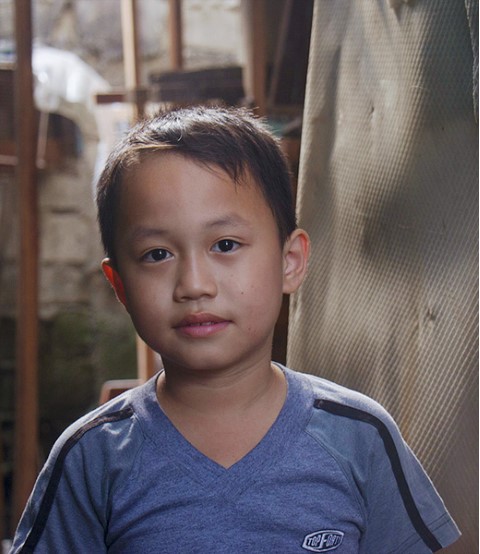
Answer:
(172, 177)
(168, 188)
(151, 162)
(191, 210)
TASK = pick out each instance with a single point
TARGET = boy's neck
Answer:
(224, 416)
(212, 393)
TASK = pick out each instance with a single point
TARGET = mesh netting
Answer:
(389, 194)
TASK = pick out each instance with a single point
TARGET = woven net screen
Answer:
(389, 194)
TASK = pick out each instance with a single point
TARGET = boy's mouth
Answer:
(201, 325)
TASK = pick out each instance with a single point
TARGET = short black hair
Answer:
(232, 139)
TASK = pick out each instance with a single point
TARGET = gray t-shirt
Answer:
(331, 475)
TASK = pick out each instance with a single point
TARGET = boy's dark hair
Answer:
(229, 138)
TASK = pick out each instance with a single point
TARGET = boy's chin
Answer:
(202, 367)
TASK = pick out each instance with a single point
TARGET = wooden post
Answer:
(175, 33)
(131, 54)
(26, 405)
(254, 19)
(3, 530)
(132, 61)
(146, 364)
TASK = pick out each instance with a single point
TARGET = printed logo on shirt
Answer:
(323, 541)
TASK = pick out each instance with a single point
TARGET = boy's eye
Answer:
(225, 245)
(156, 255)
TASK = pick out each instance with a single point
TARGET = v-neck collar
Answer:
(288, 425)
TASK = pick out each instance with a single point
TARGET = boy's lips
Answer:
(201, 325)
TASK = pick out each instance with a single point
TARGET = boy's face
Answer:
(200, 267)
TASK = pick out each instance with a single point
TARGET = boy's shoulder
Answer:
(103, 427)
(343, 401)
(348, 421)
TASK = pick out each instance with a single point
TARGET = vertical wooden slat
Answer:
(26, 407)
(281, 47)
(175, 34)
(132, 67)
(259, 53)
(3, 530)
(146, 365)
(254, 18)
(131, 52)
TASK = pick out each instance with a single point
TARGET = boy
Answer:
(223, 451)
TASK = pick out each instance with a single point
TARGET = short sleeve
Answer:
(61, 514)
(68, 508)
(403, 512)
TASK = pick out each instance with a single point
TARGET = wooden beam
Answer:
(132, 67)
(146, 365)
(289, 73)
(3, 530)
(26, 405)
(254, 21)
(281, 47)
(131, 52)
(175, 34)
(8, 161)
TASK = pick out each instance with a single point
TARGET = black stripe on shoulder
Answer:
(353, 413)
(49, 495)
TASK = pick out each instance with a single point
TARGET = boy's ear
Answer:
(114, 279)
(296, 252)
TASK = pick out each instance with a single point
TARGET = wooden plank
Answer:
(111, 389)
(110, 97)
(146, 366)
(132, 66)
(254, 18)
(131, 52)
(8, 161)
(289, 74)
(3, 530)
(26, 412)
(175, 34)
(197, 86)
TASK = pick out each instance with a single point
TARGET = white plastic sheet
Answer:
(66, 85)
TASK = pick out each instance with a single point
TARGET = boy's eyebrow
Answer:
(233, 220)
(146, 232)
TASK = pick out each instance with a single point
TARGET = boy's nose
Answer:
(195, 279)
